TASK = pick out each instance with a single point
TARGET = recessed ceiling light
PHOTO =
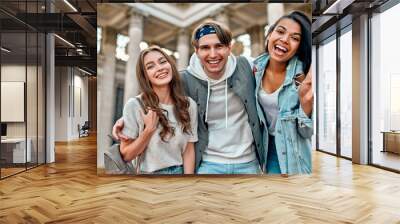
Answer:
(64, 40)
(86, 72)
(337, 7)
(5, 49)
(70, 5)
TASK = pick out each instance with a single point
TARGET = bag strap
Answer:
(141, 104)
(139, 157)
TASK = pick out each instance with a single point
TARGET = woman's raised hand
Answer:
(306, 94)
(150, 120)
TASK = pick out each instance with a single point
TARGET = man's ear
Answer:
(230, 47)
(195, 49)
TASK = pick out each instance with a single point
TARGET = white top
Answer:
(230, 136)
(159, 154)
(269, 104)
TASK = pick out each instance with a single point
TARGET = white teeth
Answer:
(162, 75)
(281, 48)
(213, 62)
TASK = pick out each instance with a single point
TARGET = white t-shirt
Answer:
(159, 154)
(269, 103)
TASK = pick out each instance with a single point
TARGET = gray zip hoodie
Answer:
(230, 136)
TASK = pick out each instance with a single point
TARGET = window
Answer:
(22, 67)
(346, 94)
(121, 51)
(245, 40)
(327, 96)
(385, 89)
(122, 44)
(98, 39)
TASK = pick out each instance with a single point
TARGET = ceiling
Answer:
(328, 16)
(73, 20)
(164, 20)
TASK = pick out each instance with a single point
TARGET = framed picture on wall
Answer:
(12, 101)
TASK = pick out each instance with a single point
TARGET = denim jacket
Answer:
(243, 84)
(293, 128)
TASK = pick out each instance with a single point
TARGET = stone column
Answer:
(106, 94)
(183, 48)
(222, 17)
(274, 12)
(135, 37)
(257, 40)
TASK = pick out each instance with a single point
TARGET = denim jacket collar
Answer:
(261, 62)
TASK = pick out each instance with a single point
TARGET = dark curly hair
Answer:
(304, 51)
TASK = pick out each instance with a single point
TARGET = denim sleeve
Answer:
(304, 124)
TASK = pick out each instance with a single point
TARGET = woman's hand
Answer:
(306, 94)
(189, 159)
(150, 121)
(117, 130)
(131, 148)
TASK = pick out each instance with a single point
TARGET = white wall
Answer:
(69, 85)
(79, 117)
(33, 125)
(14, 73)
(61, 103)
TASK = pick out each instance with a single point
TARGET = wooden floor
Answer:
(70, 191)
(10, 171)
(387, 159)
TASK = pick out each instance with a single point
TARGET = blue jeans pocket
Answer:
(170, 170)
(251, 167)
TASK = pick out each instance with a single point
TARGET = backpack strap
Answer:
(141, 104)
(139, 157)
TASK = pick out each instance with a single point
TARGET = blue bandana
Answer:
(205, 30)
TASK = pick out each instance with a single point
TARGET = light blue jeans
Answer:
(170, 170)
(272, 158)
(251, 167)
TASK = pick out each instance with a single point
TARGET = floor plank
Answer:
(70, 191)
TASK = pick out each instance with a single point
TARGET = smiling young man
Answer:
(223, 87)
